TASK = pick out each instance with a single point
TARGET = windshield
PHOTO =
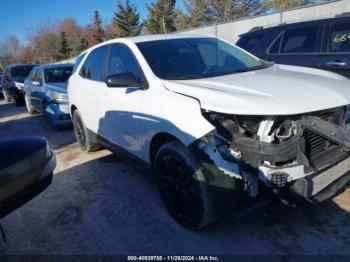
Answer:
(58, 75)
(194, 58)
(21, 71)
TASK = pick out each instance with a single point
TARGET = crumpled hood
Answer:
(58, 87)
(277, 90)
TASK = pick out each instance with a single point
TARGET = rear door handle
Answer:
(336, 63)
(103, 92)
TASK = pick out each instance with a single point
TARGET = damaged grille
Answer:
(319, 150)
(316, 145)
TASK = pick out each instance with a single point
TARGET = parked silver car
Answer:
(45, 91)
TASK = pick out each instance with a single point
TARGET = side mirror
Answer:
(26, 169)
(127, 79)
(36, 83)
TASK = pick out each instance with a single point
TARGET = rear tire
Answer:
(182, 186)
(7, 98)
(83, 135)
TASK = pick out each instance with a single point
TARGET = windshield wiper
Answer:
(187, 77)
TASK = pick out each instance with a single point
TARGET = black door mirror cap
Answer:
(125, 80)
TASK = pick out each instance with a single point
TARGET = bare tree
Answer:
(45, 40)
(10, 50)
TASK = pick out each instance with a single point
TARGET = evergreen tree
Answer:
(279, 5)
(127, 19)
(82, 45)
(97, 32)
(161, 14)
(205, 12)
(64, 50)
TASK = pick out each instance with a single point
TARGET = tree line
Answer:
(53, 41)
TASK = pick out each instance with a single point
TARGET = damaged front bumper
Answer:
(292, 167)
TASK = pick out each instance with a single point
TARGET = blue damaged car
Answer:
(45, 91)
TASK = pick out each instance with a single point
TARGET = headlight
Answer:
(19, 85)
(59, 98)
(347, 117)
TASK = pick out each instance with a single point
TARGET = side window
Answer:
(7, 74)
(77, 62)
(122, 60)
(300, 40)
(93, 67)
(275, 47)
(36, 75)
(32, 74)
(250, 42)
(340, 37)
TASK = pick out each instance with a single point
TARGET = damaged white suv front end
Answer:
(299, 154)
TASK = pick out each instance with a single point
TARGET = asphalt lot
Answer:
(99, 205)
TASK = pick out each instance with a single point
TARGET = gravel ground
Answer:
(99, 205)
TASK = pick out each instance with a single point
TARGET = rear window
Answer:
(58, 75)
(299, 40)
(21, 71)
(249, 42)
(340, 37)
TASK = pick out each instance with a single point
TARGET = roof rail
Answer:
(345, 14)
(256, 28)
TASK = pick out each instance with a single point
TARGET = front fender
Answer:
(175, 114)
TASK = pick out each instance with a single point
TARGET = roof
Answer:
(18, 65)
(50, 66)
(147, 38)
(257, 29)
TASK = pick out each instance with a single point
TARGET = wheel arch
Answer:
(72, 109)
(157, 141)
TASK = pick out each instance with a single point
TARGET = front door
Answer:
(120, 106)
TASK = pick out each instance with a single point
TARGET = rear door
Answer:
(336, 56)
(298, 44)
(91, 81)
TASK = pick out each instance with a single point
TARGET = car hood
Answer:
(19, 79)
(277, 90)
(57, 87)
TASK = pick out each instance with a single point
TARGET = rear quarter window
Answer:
(249, 42)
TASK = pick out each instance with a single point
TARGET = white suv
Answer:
(213, 122)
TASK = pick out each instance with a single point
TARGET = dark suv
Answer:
(323, 44)
(13, 80)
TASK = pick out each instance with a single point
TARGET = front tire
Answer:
(182, 186)
(18, 99)
(82, 135)
(29, 106)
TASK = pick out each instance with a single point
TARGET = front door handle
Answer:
(103, 92)
(336, 63)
